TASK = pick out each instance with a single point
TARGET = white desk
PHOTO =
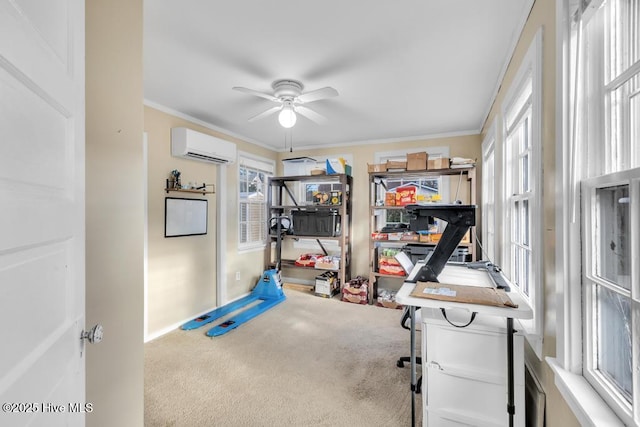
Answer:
(461, 275)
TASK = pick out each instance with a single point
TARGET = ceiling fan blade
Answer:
(256, 93)
(310, 114)
(264, 114)
(315, 95)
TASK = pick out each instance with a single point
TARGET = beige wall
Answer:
(114, 211)
(543, 16)
(182, 270)
(462, 146)
(249, 264)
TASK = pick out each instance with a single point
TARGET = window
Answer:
(488, 197)
(610, 232)
(253, 175)
(609, 298)
(602, 168)
(522, 238)
(426, 187)
(518, 145)
(306, 193)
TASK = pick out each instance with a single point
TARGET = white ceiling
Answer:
(404, 69)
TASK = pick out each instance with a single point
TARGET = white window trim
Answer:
(631, 178)
(256, 162)
(531, 66)
(489, 151)
(586, 404)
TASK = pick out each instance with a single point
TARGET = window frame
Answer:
(530, 72)
(267, 167)
(401, 155)
(590, 282)
(332, 246)
(583, 123)
(489, 202)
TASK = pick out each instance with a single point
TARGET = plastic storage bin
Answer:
(321, 223)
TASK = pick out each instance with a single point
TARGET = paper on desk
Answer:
(447, 292)
(464, 294)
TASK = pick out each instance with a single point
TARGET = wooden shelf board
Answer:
(298, 287)
(189, 191)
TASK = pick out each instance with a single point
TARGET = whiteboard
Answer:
(185, 217)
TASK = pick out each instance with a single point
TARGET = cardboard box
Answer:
(395, 165)
(410, 236)
(381, 167)
(328, 262)
(389, 304)
(425, 238)
(394, 236)
(438, 163)
(327, 284)
(417, 161)
(406, 195)
(337, 166)
(390, 199)
(379, 236)
(387, 299)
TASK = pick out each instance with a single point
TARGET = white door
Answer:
(42, 212)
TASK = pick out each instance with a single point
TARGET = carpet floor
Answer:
(309, 361)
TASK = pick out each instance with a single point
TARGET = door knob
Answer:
(94, 335)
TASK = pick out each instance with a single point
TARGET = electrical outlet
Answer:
(237, 275)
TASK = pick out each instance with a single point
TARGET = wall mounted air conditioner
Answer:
(189, 144)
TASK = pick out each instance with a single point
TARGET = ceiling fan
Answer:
(288, 93)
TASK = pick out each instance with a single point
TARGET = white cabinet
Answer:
(465, 371)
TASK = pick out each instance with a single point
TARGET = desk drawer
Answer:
(480, 353)
(473, 398)
(434, 418)
(453, 400)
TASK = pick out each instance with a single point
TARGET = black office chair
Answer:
(400, 363)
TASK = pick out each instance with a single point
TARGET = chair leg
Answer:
(401, 361)
(400, 364)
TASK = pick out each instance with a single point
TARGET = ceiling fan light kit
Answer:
(289, 93)
(287, 116)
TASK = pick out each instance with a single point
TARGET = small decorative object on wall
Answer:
(175, 179)
(185, 217)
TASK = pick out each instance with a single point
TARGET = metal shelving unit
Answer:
(377, 188)
(288, 196)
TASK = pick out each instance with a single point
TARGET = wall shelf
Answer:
(203, 189)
